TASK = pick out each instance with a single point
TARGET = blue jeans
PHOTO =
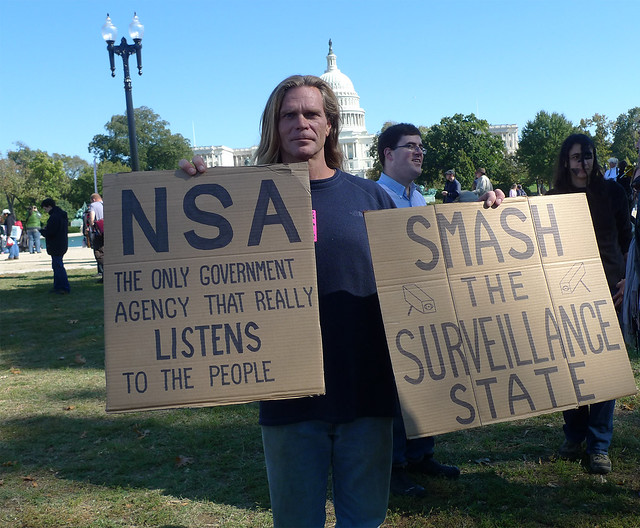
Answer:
(593, 423)
(60, 280)
(33, 235)
(299, 457)
(405, 450)
(14, 251)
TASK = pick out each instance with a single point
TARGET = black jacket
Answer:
(56, 232)
(9, 221)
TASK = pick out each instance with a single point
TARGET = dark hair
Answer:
(562, 175)
(390, 137)
(48, 202)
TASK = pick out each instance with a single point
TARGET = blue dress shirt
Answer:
(398, 192)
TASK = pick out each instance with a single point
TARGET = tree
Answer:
(72, 165)
(540, 144)
(47, 177)
(625, 135)
(11, 181)
(28, 176)
(463, 143)
(83, 186)
(374, 172)
(599, 129)
(158, 148)
(511, 171)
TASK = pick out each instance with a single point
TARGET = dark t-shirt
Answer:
(357, 369)
(609, 210)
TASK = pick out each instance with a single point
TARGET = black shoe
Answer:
(59, 292)
(571, 450)
(430, 466)
(402, 485)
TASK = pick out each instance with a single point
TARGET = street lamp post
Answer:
(109, 34)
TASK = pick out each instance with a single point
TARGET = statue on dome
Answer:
(330, 51)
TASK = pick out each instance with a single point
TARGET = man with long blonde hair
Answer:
(347, 431)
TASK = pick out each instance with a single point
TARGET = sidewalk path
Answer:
(27, 263)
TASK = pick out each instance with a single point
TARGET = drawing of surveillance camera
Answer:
(418, 299)
(573, 278)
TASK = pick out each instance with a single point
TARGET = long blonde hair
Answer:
(269, 148)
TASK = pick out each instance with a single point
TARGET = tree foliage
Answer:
(72, 165)
(11, 181)
(463, 143)
(158, 148)
(83, 186)
(625, 136)
(374, 172)
(28, 176)
(598, 128)
(540, 144)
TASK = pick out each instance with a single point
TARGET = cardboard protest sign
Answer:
(210, 288)
(496, 314)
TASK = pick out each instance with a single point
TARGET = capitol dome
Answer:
(350, 112)
(354, 139)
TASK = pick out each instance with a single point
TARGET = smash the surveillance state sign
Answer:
(496, 314)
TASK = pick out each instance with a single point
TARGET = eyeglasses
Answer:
(412, 147)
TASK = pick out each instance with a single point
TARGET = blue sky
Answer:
(210, 65)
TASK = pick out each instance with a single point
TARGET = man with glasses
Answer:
(401, 153)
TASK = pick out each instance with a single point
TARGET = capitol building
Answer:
(354, 139)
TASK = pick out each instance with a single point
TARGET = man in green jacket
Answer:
(32, 225)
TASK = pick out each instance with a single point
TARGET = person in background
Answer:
(520, 190)
(513, 192)
(481, 187)
(33, 223)
(401, 152)
(10, 230)
(402, 165)
(482, 183)
(578, 171)
(56, 237)
(624, 179)
(452, 187)
(95, 231)
(612, 172)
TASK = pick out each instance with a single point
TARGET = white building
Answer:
(354, 138)
(222, 156)
(509, 135)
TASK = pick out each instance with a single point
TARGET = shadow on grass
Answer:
(212, 454)
(489, 499)
(46, 330)
(512, 477)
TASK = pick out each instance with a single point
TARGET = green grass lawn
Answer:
(64, 462)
